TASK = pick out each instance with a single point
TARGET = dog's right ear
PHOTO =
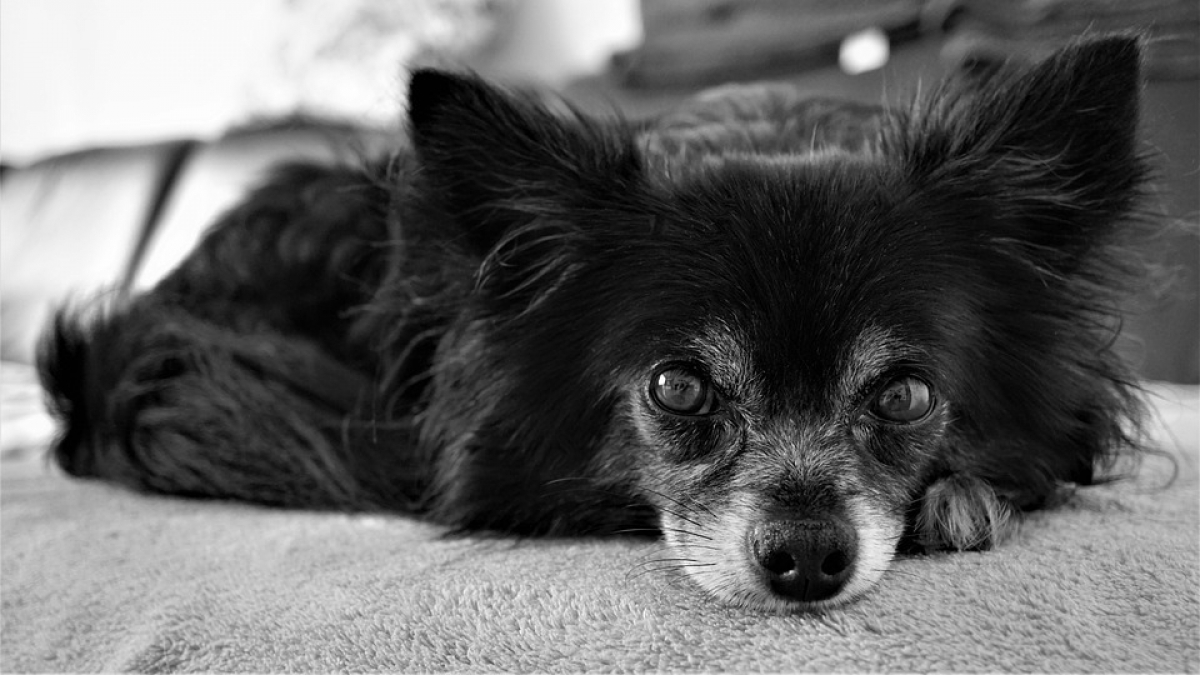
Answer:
(1052, 148)
(497, 159)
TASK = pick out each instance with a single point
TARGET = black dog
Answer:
(786, 333)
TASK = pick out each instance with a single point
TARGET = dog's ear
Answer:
(1037, 170)
(1051, 149)
(497, 159)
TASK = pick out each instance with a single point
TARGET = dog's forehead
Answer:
(808, 208)
(810, 228)
(812, 276)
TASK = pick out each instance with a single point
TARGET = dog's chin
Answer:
(711, 547)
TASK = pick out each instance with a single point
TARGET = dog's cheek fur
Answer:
(497, 467)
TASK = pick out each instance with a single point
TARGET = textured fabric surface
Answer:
(96, 578)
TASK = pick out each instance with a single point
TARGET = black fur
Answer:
(472, 331)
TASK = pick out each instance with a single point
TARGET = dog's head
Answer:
(781, 343)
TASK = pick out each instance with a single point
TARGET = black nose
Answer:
(805, 559)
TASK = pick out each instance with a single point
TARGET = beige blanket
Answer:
(95, 578)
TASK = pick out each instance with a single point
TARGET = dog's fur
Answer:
(788, 334)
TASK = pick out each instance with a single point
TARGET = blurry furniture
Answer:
(691, 43)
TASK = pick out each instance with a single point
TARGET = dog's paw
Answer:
(962, 513)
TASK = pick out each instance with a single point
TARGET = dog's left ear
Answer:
(496, 158)
(1051, 148)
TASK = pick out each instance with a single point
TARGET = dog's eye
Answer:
(681, 390)
(903, 400)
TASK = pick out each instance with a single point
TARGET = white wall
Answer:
(552, 41)
(83, 72)
(74, 72)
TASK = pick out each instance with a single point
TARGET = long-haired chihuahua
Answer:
(790, 334)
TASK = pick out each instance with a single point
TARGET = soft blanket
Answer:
(96, 578)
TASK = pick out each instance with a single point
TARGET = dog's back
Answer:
(241, 375)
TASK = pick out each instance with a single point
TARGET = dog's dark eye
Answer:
(681, 390)
(903, 400)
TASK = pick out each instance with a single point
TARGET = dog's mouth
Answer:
(783, 564)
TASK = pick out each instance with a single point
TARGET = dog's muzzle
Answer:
(806, 560)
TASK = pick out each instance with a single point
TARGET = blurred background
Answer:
(127, 125)
(86, 72)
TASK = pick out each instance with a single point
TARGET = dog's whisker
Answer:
(685, 519)
(692, 506)
(656, 565)
(688, 533)
(892, 571)
(638, 530)
(689, 518)
(660, 565)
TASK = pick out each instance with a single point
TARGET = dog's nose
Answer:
(805, 559)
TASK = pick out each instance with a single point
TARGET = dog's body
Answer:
(784, 333)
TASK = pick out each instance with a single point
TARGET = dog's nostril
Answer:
(835, 563)
(779, 562)
(807, 560)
